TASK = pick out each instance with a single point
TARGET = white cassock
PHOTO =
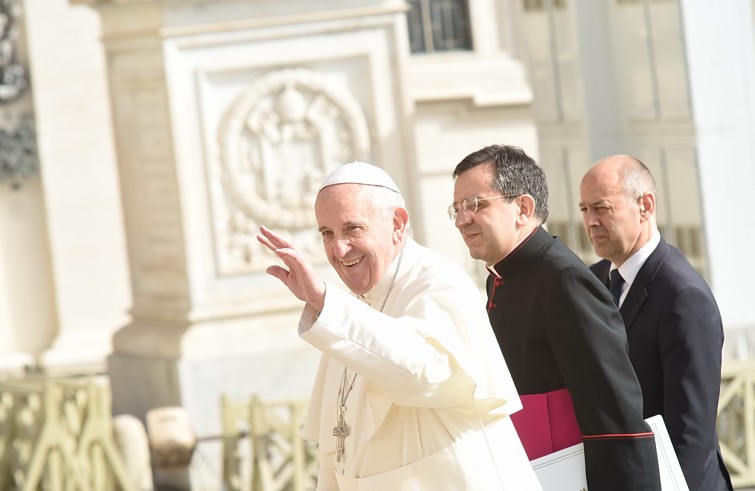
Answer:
(429, 408)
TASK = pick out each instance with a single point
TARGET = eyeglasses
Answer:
(471, 205)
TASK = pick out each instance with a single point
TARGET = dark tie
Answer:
(615, 285)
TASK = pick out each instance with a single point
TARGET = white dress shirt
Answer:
(632, 266)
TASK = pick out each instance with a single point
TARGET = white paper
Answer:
(565, 470)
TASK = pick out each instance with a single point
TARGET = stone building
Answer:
(144, 142)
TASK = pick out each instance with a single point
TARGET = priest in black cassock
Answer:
(557, 325)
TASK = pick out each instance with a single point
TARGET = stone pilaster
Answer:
(227, 116)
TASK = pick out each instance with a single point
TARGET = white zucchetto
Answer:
(360, 173)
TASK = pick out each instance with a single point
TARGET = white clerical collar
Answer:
(632, 266)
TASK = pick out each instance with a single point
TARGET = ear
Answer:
(647, 205)
(400, 221)
(526, 209)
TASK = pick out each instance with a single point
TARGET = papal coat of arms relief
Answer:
(279, 139)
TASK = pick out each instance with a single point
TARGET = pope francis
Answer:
(412, 392)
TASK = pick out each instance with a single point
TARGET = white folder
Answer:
(565, 470)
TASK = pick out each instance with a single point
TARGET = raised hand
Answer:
(300, 277)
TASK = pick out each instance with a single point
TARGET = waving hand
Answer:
(300, 277)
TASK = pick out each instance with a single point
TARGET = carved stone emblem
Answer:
(12, 74)
(18, 158)
(18, 143)
(278, 141)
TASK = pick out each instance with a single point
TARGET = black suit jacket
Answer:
(675, 339)
(558, 328)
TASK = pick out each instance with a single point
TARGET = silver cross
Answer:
(341, 431)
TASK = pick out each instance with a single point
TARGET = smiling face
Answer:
(495, 229)
(359, 240)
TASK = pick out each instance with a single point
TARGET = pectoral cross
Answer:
(341, 431)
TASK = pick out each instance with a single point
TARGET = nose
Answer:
(590, 218)
(462, 218)
(341, 247)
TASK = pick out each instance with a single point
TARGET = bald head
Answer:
(617, 200)
(626, 172)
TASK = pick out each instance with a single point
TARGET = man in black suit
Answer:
(673, 323)
(559, 331)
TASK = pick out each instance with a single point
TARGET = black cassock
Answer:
(566, 348)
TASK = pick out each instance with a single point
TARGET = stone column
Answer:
(83, 242)
(227, 116)
(26, 307)
(63, 282)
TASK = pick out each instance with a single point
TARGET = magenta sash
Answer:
(547, 423)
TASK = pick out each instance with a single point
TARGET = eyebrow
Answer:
(601, 201)
(352, 224)
(345, 225)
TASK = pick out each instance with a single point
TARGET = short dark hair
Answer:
(516, 173)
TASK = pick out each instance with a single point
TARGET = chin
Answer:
(475, 254)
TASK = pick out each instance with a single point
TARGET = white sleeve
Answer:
(396, 354)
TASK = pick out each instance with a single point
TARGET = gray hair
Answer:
(637, 179)
(385, 200)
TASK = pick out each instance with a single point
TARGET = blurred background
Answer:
(143, 143)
